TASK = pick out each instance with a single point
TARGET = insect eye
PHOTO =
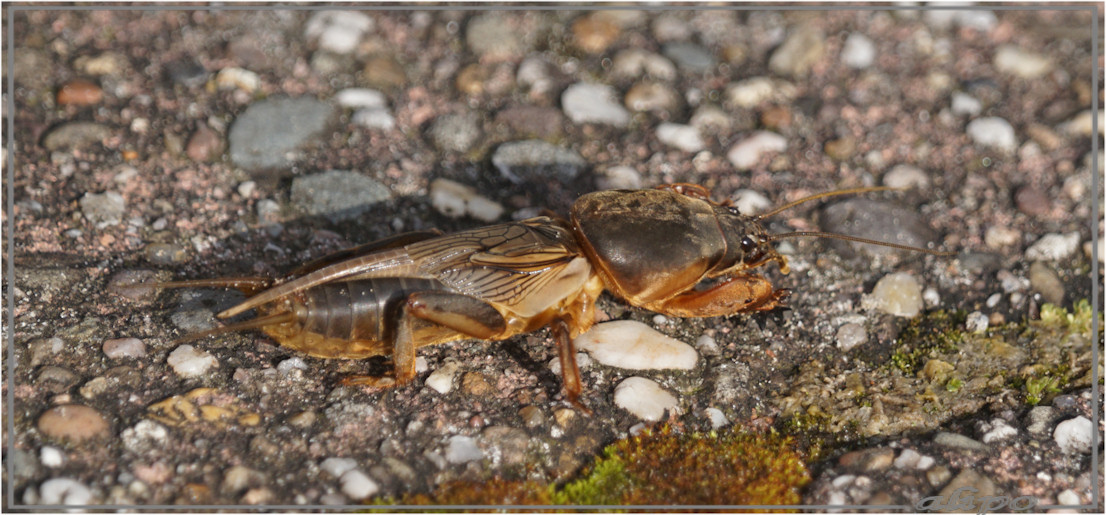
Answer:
(748, 244)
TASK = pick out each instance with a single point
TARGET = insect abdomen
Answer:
(359, 309)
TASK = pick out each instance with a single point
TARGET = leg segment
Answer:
(739, 294)
(570, 372)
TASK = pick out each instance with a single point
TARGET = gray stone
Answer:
(75, 135)
(521, 161)
(456, 132)
(269, 132)
(337, 194)
(103, 209)
(689, 56)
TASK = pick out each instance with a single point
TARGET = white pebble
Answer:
(374, 118)
(189, 362)
(859, 51)
(246, 188)
(906, 176)
(462, 449)
(338, 31)
(999, 431)
(51, 456)
(336, 467)
(238, 78)
(421, 365)
(441, 380)
(718, 419)
(620, 178)
(683, 137)
(908, 459)
(1022, 63)
(1074, 435)
(746, 153)
(1082, 124)
(63, 490)
(124, 348)
(993, 300)
(1068, 498)
(582, 362)
(454, 199)
(644, 398)
(363, 98)
(897, 294)
(965, 104)
(850, 335)
(594, 103)
(357, 485)
(633, 345)
(750, 92)
(976, 322)
(706, 344)
(290, 364)
(659, 320)
(1053, 247)
(925, 462)
(749, 202)
(998, 236)
(993, 131)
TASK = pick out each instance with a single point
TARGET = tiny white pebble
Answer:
(706, 344)
(421, 365)
(64, 490)
(683, 137)
(290, 364)
(746, 153)
(717, 418)
(925, 462)
(620, 178)
(896, 294)
(634, 345)
(1000, 430)
(51, 456)
(749, 202)
(1074, 435)
(906, 176)
(993, 300)
(124, 348)
(357, 485)
(659, 320)
(338, 466)
(441, 380)
(850, 335)
(462, 449)
(976, 322)
(247, 188)
(1053, 247)
(189, 362)
(644, 398)
(1068, 498)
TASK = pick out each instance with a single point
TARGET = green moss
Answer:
(662, 467)
(1037, 387)
(1076, 320)
(953, 384)
(665, 467)
(939, 332)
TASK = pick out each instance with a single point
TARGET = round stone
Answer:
(74, 423)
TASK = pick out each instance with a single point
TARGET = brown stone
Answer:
(74, 423)
(80, 92)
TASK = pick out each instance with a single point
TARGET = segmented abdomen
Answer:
(363, 309)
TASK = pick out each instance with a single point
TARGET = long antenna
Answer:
(817, 196)
(835, 236)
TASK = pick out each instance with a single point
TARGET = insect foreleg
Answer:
(570, 372)
(739, 294)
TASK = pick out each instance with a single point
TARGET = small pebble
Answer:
(683, 137)
(718, 419)
(976, 322)
(441, 380)
(374, 118)
(689, 56)
(1082, 124)
(619, 178)
(336, 467)
(1054, 247)
(751, 92)
(462, 449)
(455, 132)
(338, 31)
(908, 459)
(290, 364)
(644, 398)
(594, 32)
(858, 52)
(630, 344)
(357, 485)
(51, 456)
(232, 78)
(594, 103)
(906, 176)
(188, 362)
(522, 161)
(850, 335)
(1032, 201)
(798, 53)
(238, 478)
(993, 131)
(74, 423)
(1068, 498)
(1044, 280)
(337, 194)
(896, 294)
(204, 145)
(454, 199)
(707, 345)
(120, 348)
(634, 63)
(1021, 63)
(80, 92)
(76, 135)
(1040, 419)
(1074, 435)
(43, 349)
(965, 104)
(993, 300)
(493, 38)
(64, 490)
(947, 439)
(999, 236)
(103, 209)
(749, 202)
(746, 153)
(269, 133)
(361, 98)
(999, 430)
(145, 435)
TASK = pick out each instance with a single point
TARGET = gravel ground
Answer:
(191, 144)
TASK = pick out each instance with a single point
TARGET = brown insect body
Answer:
(651, 248)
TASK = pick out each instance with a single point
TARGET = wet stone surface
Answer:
(213, 142)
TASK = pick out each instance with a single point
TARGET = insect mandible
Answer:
(651, 248)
